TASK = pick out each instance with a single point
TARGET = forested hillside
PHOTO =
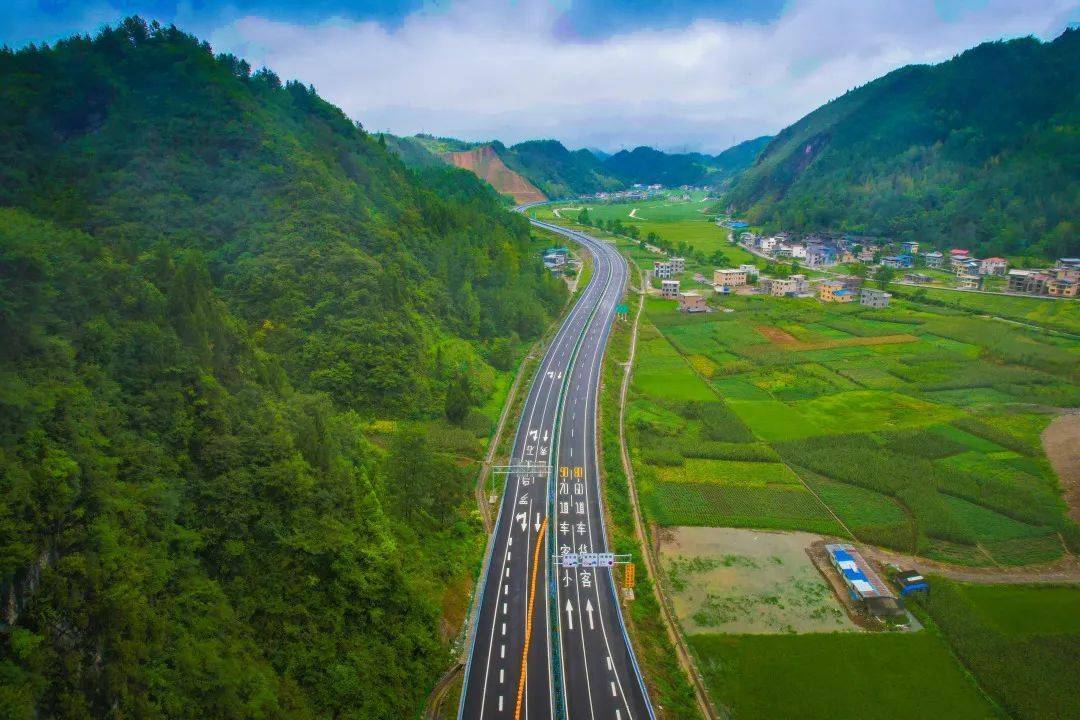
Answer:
(982, 151)
(212, 287)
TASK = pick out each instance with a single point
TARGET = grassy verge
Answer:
(668, 686)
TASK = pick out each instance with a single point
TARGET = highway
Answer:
(549, 641)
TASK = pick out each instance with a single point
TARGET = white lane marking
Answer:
(509, 541)
(501, 677)
(504, 628)
(608, 662)
(500, 703)
(618, 714)
(508, 570)
(504, 610)
(502, 651)
(506, 589)
(507, 556)
(613, 693)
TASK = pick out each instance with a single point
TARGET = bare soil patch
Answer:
(786, 340)
(1061, 440)
(748, 581)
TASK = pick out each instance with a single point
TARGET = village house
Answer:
(934, 259)
(992, 266)
(678, 265)
(898, 262)
(820, 256)
(1032, 282)
(692, 302)
(850, 282)
(917, 278)
(958, 260)
(729, 277)
(834, 291)
(750, 270)
(872, 297)
(910, 247)
(669, 289)
(802, 284)
(968, 281)
(661, 269)
(778, 287)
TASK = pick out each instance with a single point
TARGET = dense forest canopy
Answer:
(981, 152)
(211, 284)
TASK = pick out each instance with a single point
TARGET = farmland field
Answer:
(837, 675)
(928, 445)
(1021, 643)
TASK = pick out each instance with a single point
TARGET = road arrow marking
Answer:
(570, 614)
(588, 609)
(537, 526)
(523, 518)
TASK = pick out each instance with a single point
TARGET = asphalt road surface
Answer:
(549, 640)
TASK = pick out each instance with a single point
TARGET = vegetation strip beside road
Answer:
(674, 633)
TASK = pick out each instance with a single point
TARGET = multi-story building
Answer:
(750, 270)
(834, 291)
(910, 247)
(729, 277)
(802, 284)
(1062, 288)
(1032, 282)
(779, 287)
(661, 269)
(968, 281)
(934, 259)
(669, 289)
(866, 254)
(678, 265)
(898, 262)
(872, 297)
(992, 266)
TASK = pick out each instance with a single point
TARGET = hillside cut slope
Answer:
(982, 151)
(487, 165)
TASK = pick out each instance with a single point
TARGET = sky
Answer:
(674, 74)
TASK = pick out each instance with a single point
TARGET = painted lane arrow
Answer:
(588, 609)
(570, 614)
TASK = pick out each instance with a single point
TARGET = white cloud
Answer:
(481, 69)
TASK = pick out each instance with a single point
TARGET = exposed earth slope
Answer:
(487, 165)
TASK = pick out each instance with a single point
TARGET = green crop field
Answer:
(929, 445)
(1020, 642)
(840, 675)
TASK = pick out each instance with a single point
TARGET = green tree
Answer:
(458, 398)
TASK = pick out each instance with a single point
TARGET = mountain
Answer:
(488, 166)
(647, 166)
(233, 327)
(558, 172)
(735, 159)
(981, 151)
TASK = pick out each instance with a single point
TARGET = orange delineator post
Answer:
(528, 617)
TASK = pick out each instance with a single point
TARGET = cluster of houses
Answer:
(747, 280)
(814, 251)
(1062, 280)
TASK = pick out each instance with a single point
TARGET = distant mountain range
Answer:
(982, 151)
(549, 167)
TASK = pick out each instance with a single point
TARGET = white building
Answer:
(661, 269)
(669, 289)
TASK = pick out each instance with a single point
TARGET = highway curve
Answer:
(579, 663)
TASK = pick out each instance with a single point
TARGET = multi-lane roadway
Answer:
(549, 640)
